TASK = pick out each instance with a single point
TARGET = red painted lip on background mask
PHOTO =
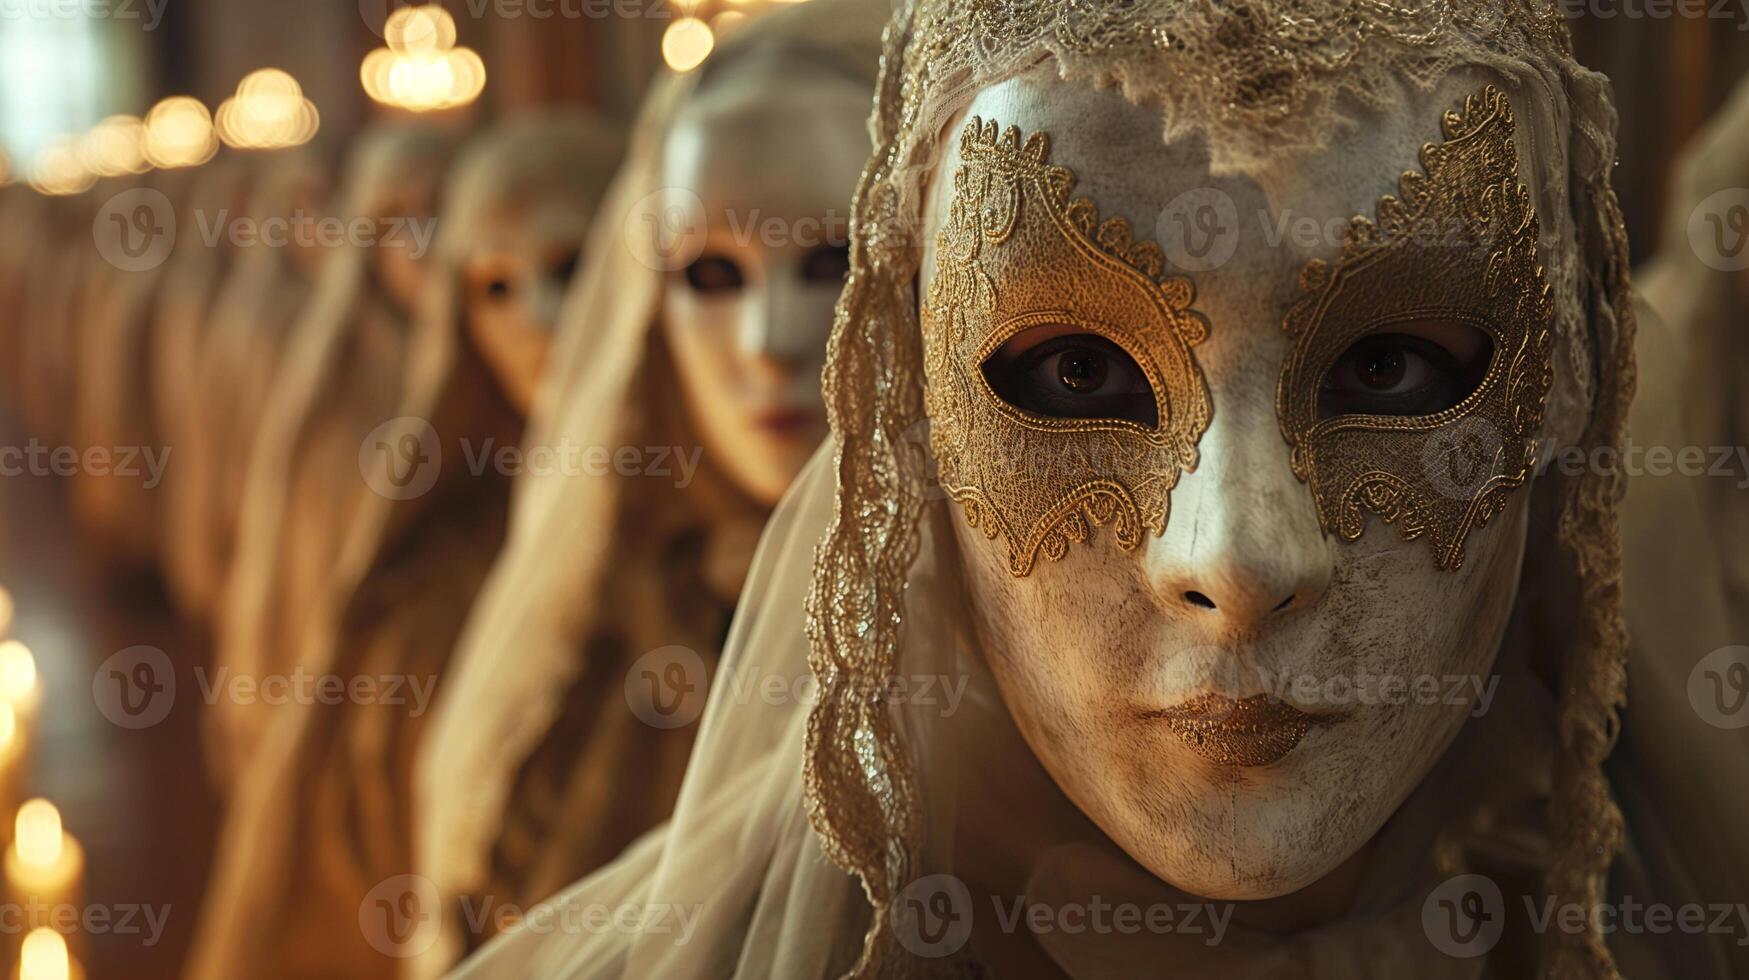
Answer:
(1246, 733)
(789, 422)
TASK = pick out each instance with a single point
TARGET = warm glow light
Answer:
(420, 30)
(44, 956)
(727, 21)
(58, 169)
(38, 837)
(179, 133)
(422, 69)
(6, 606)
(8, 728)
(17, 672)
(268, 112)
(115, 146)
(687, 43)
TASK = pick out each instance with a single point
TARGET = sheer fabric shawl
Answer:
(576, 537)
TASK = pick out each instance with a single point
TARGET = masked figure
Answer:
(321, 813)
(267, 288)
(1184, 594)
(684, 398)
(339, 375)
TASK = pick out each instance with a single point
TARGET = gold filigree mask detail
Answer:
(1016, 253)
(1460, 245)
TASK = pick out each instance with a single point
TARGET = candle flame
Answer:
(38, 834)
(44, 956)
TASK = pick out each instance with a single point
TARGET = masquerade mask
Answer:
(1093, 423)
(1459, 246)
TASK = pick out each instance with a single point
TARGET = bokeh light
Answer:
(422, 70)
(179, 133)
(59, 169)
(268, 112)
(687, 43)
(115, 146)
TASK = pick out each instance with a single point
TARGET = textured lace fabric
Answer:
(1260, 82)
(1459, 245)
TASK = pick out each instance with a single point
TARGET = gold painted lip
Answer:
(1254, 731)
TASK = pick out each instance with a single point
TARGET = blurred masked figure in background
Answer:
(340, 374)
(683, 399)
(321, 811)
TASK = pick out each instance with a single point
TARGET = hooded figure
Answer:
(340, 374)
(321, 812)
(683, 399)
(267, 288)
(1183, 593)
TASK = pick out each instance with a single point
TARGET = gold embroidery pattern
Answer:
(1460, 244)
(1014, 253)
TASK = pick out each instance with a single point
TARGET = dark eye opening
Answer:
(1071, 376)
(714, 274)
(828, 263)
(498, 288)
(1420, 368)
(565, 266)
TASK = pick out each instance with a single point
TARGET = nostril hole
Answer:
(1198, 599)
(1283, 604)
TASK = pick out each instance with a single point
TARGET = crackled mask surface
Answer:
(1018, 254)
(1458, 245)
(1241, 698)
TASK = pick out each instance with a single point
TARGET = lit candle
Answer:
(19, 685)
(44, 956)
(45, 866)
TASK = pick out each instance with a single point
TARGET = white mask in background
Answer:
(772, 150)
(1135, 646)
(513, 282)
